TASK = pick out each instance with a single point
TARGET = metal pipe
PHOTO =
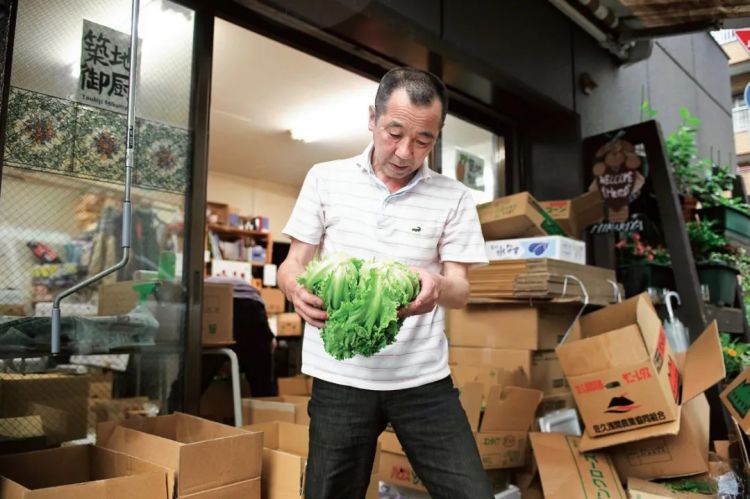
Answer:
(127, 225)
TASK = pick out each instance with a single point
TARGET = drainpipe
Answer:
(126, 204)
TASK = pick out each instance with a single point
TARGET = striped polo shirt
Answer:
(344, 207)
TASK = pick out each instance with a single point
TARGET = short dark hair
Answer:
(422, 87)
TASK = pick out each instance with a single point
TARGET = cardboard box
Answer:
(575, 215)
(642, 489)
(101, 410)
(23, 434)
(736, 398)
(286, 408)
(556, 402)
(249, 489)
(203, 455)
(284, 459)
(80, 472)
(295, 385)
(488, 376)
(100, 386)
(502, 431)
(547, 374)
(671, 455)
(510, 326)
(61, 400)
(274, 300)
(566, 472)
(625, 379)
(218, 314)
(490, 366)
(491, 357)
(554, 247)
(395, 467)
(288, 324)
(518, 215)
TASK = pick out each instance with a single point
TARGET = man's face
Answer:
(403, 135)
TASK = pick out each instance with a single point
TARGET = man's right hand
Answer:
(309, 306)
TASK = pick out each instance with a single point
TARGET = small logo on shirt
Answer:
(416, 229)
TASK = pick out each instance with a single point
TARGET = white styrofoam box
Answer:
(269, 275)
(512, 492)
(554, 247)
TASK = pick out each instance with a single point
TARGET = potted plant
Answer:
(641, 265)
(689, 171)
(714, 261)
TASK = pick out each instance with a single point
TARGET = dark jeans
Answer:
(429, 422)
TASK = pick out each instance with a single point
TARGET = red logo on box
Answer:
(621, 405)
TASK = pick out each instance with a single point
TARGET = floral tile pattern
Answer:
(161, 156)
(99, 150)
(48, 133)
(39, 131)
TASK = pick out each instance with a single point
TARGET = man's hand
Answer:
(449, 289)
(309, 306)
(429, 293)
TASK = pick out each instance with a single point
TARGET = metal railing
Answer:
(740, 119)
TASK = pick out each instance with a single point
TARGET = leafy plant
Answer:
(705, 241)
(362, 299)
(736, 355)
(692, 485)
(682, 152)
(632, 249)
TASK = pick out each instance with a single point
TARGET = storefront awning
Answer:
(621, 25)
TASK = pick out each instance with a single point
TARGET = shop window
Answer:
(62, 189)
(475, 157)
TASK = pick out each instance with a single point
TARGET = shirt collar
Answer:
(364, 162)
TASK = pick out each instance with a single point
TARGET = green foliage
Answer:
(736, 355)
(705, 241)
(692, 485)
(362, 299)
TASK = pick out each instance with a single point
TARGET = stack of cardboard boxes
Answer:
(282, 323)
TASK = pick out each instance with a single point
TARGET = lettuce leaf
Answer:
(362, 299)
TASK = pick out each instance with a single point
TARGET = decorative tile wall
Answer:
(62, 136)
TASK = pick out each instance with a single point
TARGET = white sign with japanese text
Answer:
(105, 67)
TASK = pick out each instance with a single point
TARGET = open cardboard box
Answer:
(285, 408)
(285, 447)
(517, 215)
(669, 456)
(502, 431)
(80, 472)
(566, 473)
(510, 326)
(574, 215)
(625, 378)
(204, 455)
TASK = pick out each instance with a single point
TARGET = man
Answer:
(387, 204)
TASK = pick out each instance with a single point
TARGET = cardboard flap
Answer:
(595, 443)
(270, 433)
(471, 401)
(704, 364)
(620, 347)
(612, 317)
(566, 473)
(736, 399)
(510, 408)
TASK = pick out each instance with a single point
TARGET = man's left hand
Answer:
(430, 287)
